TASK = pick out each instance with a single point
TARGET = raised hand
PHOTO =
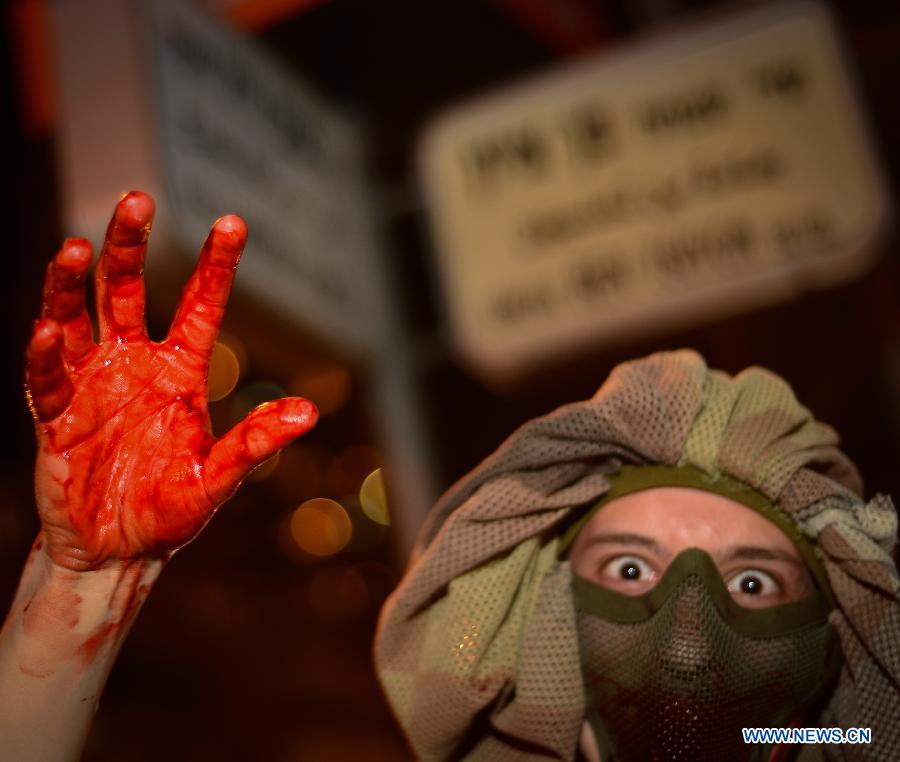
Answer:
(127, 465)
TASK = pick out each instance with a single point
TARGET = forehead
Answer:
(683, 517)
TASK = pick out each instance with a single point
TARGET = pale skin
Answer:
(629, 543)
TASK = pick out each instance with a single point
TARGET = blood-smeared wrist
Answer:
(77, 619)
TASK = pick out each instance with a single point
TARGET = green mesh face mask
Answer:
(676, 673)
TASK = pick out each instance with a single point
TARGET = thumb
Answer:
(263, 432)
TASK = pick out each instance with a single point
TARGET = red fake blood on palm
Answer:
(128, 468)
(132, 485)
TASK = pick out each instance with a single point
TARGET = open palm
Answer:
(127, 465)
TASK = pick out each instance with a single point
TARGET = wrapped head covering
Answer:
(477, 648)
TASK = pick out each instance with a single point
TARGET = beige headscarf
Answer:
(477, 648)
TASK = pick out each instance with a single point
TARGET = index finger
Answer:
(203, 301)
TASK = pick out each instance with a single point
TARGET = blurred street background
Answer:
(463, 213)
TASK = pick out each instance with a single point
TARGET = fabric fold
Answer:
(477, 649)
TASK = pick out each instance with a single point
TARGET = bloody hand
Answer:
(127, 466)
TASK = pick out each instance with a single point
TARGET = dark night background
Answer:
(250, 649)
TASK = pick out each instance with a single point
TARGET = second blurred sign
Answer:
(163, 97)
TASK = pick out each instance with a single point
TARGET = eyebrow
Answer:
(626, 538)
(753, 553)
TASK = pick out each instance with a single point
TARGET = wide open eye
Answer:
(753, 583)
(628, 570)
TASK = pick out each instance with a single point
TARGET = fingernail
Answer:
(136, 209)
(231, 224)
(46, 333)
(303, 413)
(230, 235)
(76, 254)
(132, 219)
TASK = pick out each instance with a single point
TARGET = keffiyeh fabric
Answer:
(477, 647)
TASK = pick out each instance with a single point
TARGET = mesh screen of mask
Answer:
(682, 684)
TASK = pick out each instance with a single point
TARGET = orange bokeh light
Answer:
(321, 527)
(224, 371)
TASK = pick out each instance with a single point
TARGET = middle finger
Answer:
(119, 277)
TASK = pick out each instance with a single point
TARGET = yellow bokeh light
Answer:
(235, 345)
(224, 371)
(321, 527)
(373, 498)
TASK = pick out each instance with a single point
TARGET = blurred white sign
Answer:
(163, 98)
(711, 171)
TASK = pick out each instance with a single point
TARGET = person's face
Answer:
(628, 544)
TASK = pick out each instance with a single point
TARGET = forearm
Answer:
(57, 648)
